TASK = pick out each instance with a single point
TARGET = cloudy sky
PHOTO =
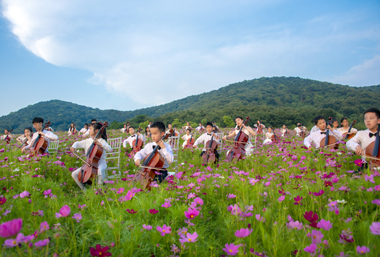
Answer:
(126, 55)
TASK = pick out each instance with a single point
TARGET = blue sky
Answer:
(127, 55)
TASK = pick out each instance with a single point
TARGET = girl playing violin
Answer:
(284, 130)
(157, 130)
(247, 130)
(47, 135)
(26, 138)
(186, 137)
(72, 129)
(268, 135)
(86, 144)
(7, 135)
(345, 127)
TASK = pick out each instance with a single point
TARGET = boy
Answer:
(200, 128)
(317, 136)
(124, 129)
(84, 129)
(41, 132)
(363, 138)
(88, 131)
(206, 137)
(157, 130)
(186, 137)
(247, 130)
(86, 144)
(132, 137)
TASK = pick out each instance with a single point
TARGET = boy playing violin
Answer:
(101, 140)
(132, 137)
(317, 136)
(157, 130)
(186, 137)
(203, 139)
(363, 138)
(48, 135)
(247, 130)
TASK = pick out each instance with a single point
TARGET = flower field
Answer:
(281, 201)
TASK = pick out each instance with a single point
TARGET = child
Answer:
(157, 130)
(363, 138)
(41, 132)
(284, 130)
(26, 138)
(206, 137)
(247, 130)
(186, 137)
(335, 124)
(200, 128)
(345, 127)
(7, 135)
(187, 126)
(260, 127)
(132, 137)
(124, 129)
(84, 129)
(169, 128)
(72, 130)
(317, 136)
(88, 131)
(147, 131)
(101, 140)
(269, 135)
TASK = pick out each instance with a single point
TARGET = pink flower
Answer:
(362, 249)
(234, 209)
(44, 226)
(376, 201)
(164, 230)
(147, 227)
(297, 200)
(295, 225)
(10, 228)
(311, 248)
(231, 196)
(325, 225)
(42, 243)
(316, 236)
(100, 251)
(153, 211)
(375, 228)
(130, 195)
(191, 213)
(10, 243)
(63, 212)
(24, 194)
(231, 249)
(77, 217)
(281, 198)
(166, 205)
(131, 211)
(244, 232)
(197, 200)
(121, 190)
(189, 238)
(3, 200)
(358, 162)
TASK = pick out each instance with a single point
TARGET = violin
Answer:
(328, 141)
(372, 151)
(41, 145)
(274, 137)
(47, 125)
(8, 138)
(190, 142)
(241, 139)
(90, 168)
(211, 147)
(303, 132)
(152, 163)
(137, 143)
(348, 136)
(259, 128)
(171, 133)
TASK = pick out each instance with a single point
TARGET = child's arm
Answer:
(307, 142)
(140, 155)
(167, 152)
(354, 145)
(79, 144)
(105, 146)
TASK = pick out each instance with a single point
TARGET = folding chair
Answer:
(174, 143)
(53, 147)
(115, 144)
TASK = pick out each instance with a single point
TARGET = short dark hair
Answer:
(238, 117)
(29, 128)
(38, 120)
(376, 111)
(159, 125)
(189, 129)
(131, 127)
(209, 124)
(93, 120)
(316, 119)
(342, 119)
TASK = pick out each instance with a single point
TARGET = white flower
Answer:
(341, 201)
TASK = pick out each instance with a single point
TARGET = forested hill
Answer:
(275, 101)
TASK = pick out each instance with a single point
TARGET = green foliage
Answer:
(204, 121)
(228, 121)
(144, 124)
(176, 123)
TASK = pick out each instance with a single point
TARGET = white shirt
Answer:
(167, 153)
(185, 137)
(3, 137)
(199, 128)
(130, 139)
(262, 127)
(88, 142)
(87, 133)
(314, 129)
(49, 136)
(269, 135)
(123, 130)
(297, 130)
(83, 130)
(203, 140)
(361, 138)
(316, 137)
(343, 130)
(22, 138)
(283, 131)
(168, 131)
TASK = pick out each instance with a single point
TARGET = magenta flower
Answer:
(325, 225)
(376, 201)
(24, 194)
(197, 200)
(44, 226)
(10, 243)
(189, 238)
(153, 211)
(321, 192)
(295, 225)
(63, 212)
(147, 227)
(3, 200)
(164, 230)
(231, 196)
(166, 205)
(311, 216)
(231, 249)
(47, 192)
(131, 211)
(362, 249)
(42, 243)
(10, 228)
(234, 209)
(311, 248)
(358, 162)
(281, 198)
(182, 231)
(191, 213)
(297, 200)
(100, 251)
(129, 196)
(316, 236)
(121, 190)
(375, 228)
(77, 217)
(244, 232)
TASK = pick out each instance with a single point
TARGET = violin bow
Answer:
(80, 158)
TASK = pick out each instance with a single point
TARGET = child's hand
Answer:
(359, 151)
(161, 144)
(137, 163)
(72, 149)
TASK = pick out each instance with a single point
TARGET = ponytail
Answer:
(98, 126)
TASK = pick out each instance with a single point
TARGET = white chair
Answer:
(115, 144)
(53, 146)
(174, 143)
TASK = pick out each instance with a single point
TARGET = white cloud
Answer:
(155, 52)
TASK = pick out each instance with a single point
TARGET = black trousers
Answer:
(161, 177)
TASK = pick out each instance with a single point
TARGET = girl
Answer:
(269, 135)
(147, 132)
(26, 138)
(72, 129)
(245, 129)
(101, 140)
(186, 137)
(335, 124)
(345, 127)
(284, 130)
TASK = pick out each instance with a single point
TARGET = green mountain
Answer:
(275, 101)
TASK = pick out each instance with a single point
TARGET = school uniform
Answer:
(49, 136)
(268, 140)
(102, 164)
(167, 153)
(362, 138)
(203, 140)
(130, 139)
(317, 136)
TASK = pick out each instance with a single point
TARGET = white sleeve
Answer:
(106, 146)
(307, 141)
(353, 142)
(168, 153)
(199, 140)
(338, 135)
(125, 143)
(142, 137)
(140, 155)
(80, 144)
(51, 135)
